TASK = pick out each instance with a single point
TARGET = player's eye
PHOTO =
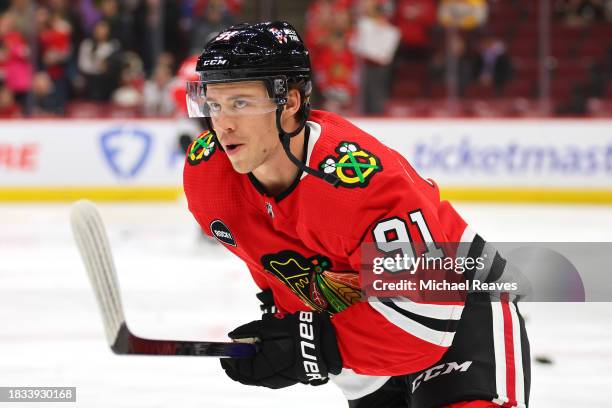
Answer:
(214, 106)
(240, 103)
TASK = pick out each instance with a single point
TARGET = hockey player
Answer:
(297, 194)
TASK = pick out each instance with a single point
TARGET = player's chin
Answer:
(240, 166)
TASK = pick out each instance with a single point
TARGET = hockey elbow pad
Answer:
(298, 347)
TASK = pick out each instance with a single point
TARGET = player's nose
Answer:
(224, 123)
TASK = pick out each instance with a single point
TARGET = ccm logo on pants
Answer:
(438, 370)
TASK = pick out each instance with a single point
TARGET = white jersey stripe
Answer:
(439, 338)
(518, 357)
(355, 386)
(442, 312)
(499, 347)
(313, 137)
(466, 241)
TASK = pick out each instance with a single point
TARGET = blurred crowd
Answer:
(583, 12)
(414, 30)
(133, 56)
(101, 52)
(364, 51)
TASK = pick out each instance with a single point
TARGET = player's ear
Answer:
(293, 104)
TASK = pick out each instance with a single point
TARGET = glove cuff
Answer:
(267, 301)
(317, 349)
(329, 346)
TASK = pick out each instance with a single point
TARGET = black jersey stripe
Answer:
(475, 251)
(434, 324)
(497, 268)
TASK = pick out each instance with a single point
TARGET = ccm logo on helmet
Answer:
(441, 369)
(214, 62)
(307, 334)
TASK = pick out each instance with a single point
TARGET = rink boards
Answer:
(494, 160)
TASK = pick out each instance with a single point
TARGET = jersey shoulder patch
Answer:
(353, 165)
(202, 148)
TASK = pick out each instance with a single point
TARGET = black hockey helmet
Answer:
(256, 51)
(272, 52)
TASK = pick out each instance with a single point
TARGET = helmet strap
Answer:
(285, 138)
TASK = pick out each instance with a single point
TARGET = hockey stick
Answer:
(92, 241)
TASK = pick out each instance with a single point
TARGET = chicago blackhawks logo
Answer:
(313, 281)
(353, 165)
(202, 148)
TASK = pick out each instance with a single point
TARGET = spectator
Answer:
(415, 18)
(129, 93)
(319, 24)
(462, 14)
(55, 51)
(110, 13)
(464, 63)
(328, 35)
(17, 65)
(20, 13)
(98, 62)
(580, 12)
(45, 100)
(167, 59)
(8, 107)
(336, 77)
(89, 15)
(68, 12)
(377, 40)
(493, 66)
(157, 91)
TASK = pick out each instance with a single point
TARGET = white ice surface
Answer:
(175, 286)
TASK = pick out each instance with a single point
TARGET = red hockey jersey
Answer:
(305, 244)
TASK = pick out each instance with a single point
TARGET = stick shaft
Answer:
(93, 244)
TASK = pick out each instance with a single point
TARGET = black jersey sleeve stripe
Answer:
(476, 248)
(497, 268)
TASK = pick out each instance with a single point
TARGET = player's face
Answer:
(249, 140)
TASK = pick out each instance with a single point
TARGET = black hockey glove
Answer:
(298, 347)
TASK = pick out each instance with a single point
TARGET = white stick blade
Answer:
(92, 241)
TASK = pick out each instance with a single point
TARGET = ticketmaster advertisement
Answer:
(506, 159)
(473, 159)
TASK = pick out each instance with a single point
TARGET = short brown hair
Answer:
(305, 89)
